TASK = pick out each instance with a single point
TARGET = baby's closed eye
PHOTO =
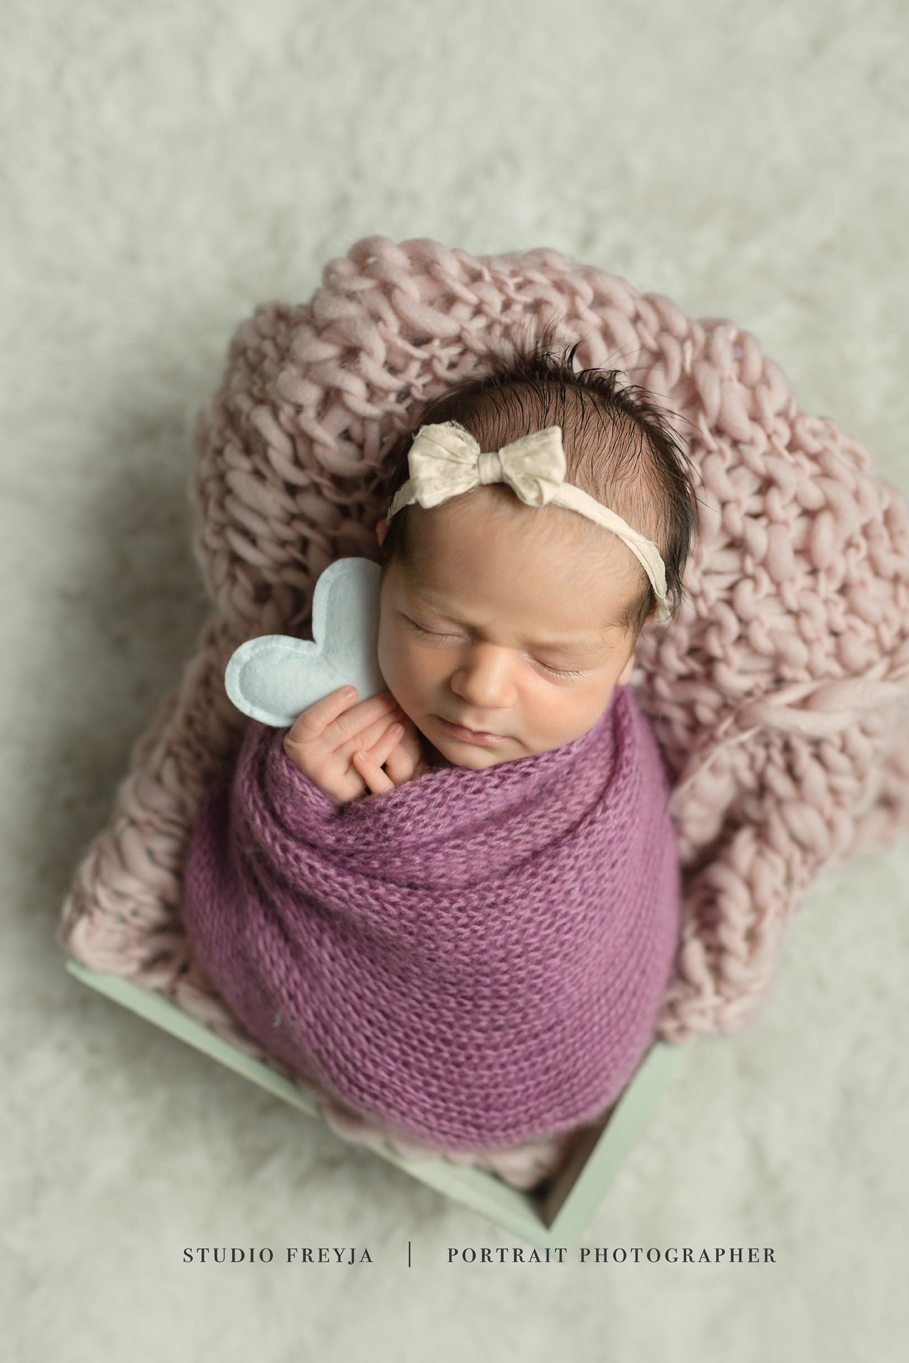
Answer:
(433, 633)
(538, 662)
(558, 671)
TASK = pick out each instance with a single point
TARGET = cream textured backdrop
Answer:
(164, 167)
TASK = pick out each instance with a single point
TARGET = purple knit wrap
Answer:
(471, 960)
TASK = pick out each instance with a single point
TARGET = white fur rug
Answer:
(164, 167)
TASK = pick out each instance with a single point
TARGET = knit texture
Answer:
(776, 692)
(471, 960)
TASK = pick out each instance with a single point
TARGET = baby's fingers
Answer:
(314, 721)
(368, 764)
(386, 744)
(402, 763)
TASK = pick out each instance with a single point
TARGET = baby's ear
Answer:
(625, 675)
(381, 531)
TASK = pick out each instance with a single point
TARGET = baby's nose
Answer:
(484, 678)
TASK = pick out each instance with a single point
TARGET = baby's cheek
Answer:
(570, 714)
(397, 668)
(389, 659)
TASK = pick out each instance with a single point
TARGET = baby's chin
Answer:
(478, 760)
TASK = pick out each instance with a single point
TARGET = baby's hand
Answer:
(342, 747)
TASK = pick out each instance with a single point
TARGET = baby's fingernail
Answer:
(397, 730)
(350, 691)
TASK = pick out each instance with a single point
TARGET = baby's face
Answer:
(501, 636)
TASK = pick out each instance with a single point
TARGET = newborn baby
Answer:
(452, 909)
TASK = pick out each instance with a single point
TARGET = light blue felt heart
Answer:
(274, 678)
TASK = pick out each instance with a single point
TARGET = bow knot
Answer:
(490, 468)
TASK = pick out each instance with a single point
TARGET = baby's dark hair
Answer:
(619, 448)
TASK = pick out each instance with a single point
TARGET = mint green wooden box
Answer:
(559, 1217)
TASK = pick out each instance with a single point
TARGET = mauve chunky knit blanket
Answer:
(776, 693)
(472, 960)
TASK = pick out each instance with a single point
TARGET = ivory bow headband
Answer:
(446, 460)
